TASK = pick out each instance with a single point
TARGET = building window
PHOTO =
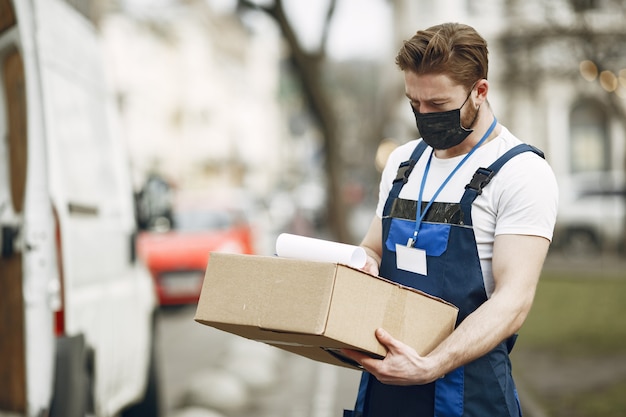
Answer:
(590, 148)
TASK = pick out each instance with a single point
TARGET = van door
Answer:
(13, 160)
(66, 214)
(107, 298)
(28, 268)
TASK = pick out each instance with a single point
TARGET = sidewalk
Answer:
(612, 265)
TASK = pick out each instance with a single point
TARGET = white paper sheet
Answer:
(311, 249)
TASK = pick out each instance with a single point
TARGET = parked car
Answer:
(591, 219)
(177, 254)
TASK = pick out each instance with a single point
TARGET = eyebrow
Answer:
(431, 100)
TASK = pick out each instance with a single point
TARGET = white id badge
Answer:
(411, 259)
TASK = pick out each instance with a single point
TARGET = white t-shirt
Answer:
(522, 198)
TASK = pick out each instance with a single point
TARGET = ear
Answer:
(481, 88)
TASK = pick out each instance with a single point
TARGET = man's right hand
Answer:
(372, 243)
(371, 266)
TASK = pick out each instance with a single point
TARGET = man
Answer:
(465, 214)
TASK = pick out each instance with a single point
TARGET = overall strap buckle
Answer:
(404, 170)
(481, 178)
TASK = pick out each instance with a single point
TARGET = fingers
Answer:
(366, 360)
(401, 366)
(371, 266)
(387, 340)
(356, 356)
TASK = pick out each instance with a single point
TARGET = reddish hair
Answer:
(452, 49)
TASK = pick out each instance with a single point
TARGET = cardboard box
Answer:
(316, 308)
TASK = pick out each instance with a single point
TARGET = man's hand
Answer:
(401, 366)
(373, 247)
(371, 266)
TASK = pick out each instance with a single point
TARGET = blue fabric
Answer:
(449, 394)
(518, 402)
(432, 237)
(360, 398)
(399, 231)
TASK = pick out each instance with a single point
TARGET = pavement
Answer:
(612, 265)
(210, 373)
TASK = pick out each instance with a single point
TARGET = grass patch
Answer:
(577, 316)
(609, 402)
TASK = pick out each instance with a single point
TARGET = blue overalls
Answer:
(484, 387)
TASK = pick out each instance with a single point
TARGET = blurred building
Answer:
(197, 94)
(558, 78)
(209, 105)
(207, 102)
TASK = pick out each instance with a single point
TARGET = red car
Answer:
(177, 258)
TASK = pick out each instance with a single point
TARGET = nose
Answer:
(424, 108)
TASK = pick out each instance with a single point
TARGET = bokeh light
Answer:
(588, 70)
(608, 81)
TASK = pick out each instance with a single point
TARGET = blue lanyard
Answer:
(419, 214)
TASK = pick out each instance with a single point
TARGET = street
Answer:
(209, 373)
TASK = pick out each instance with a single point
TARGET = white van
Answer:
(76, 308)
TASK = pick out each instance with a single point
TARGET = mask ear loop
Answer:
(473, 120)
(468, 95)
(477, 110)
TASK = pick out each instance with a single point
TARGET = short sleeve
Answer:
(528, 202)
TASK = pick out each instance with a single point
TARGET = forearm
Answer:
(479, 333)
(517, 263)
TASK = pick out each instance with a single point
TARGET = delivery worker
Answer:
(465, 214)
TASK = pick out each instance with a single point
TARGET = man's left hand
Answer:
(401, 366)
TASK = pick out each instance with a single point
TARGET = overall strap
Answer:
(483, 176)
(402, 177)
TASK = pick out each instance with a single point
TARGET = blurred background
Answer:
(288, 109)
(245, 119)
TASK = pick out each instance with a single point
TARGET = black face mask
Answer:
(443, 130)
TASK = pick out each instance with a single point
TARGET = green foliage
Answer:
(609, 402)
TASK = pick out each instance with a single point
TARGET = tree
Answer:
(312, 68)
(309, 68)
(374, 108)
